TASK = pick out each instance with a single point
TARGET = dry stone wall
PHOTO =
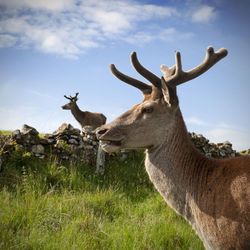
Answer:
(69, 143)
(212, 150)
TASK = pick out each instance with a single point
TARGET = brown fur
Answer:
(85, 118)
(213, 195)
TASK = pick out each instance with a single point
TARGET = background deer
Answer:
(213, 195)
(85, 118)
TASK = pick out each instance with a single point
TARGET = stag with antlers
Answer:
(85, 118)
(213, 195)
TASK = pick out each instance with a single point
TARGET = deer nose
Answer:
(100, 132)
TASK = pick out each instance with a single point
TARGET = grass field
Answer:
(8, 132)
(45, 204)
(5, 132)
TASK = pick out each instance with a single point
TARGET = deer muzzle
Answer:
(108, 142)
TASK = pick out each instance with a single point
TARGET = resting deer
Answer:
(213, 195)
(85, 118)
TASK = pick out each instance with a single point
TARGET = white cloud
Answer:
(169, 34)
(7, 40)
(55, 5)
(51, 42)
(204, 14)
(111, 22)
(139, 37)
(69, 27)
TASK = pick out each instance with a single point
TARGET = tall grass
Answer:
(46, 204)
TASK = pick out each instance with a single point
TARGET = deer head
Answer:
(148, 124)
(72, 102)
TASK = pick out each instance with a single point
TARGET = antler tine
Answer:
(146, 89)
(75, 97)
(67, 97)
(155, 80)
(180, 76)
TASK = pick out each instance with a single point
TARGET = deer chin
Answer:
(110, 146)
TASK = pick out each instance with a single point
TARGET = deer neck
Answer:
(78, 114)
(175, 166)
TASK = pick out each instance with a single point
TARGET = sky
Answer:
(49, 49)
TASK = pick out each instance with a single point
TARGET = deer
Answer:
(84, 118)
(213, 195)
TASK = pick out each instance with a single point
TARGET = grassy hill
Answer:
(5, 132)
(8, 132)
(47, 204)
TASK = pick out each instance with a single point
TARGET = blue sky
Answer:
(51, 48)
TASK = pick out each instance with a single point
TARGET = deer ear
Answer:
(169, 94)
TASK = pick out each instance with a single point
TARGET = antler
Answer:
(179, 76)
(72, 98)
(146, 89)
(155, 80)
(69, 98)
(173, 76)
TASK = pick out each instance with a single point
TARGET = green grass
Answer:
(5, 132)
(8, 132)
(45, 204)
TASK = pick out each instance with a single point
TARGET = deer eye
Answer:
(147, 110)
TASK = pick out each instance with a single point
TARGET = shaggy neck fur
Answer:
(78, 114)
(178, 171)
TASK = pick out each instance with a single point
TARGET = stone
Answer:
(16, 134)
(37, 149)
(222, 153)
(51, 141)
(64, 127)
(74, 137)
(68, 143)
(62, 137)
(29, 139)
(219, 150)
(88, 147)
(100, 161)
(44, 141)
(88, 130)
(26, 129)
(85, 139)
(73, 148)
(81, 145)
(228, 143)
(76, 131)
(73, 141)
(40, 156)
(47, 136)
